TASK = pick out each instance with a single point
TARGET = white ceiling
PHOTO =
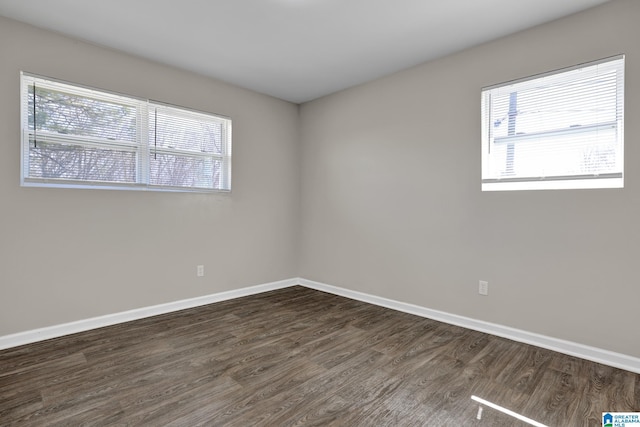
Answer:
(297, 50)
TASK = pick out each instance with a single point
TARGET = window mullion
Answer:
(142, 139)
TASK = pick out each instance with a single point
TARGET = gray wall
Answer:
(391, 200)
(68, 254)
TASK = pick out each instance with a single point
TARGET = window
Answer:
(559, 130)
(73, 136)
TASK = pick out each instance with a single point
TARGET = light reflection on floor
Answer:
(504, 411)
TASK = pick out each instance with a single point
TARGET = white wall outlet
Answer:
(200, 270)
(483, 288)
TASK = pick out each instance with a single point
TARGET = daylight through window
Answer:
(556, 131)
(78, 137)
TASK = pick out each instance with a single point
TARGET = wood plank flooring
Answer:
(299, 357)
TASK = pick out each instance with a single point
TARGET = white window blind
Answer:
(80, 137)
(563, 129)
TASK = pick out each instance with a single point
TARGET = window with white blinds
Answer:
(559, 130)
(74, 136)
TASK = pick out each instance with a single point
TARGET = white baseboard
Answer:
(56, 331)
(582, 351)
(594, 354)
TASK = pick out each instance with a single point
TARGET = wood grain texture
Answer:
(297, 356)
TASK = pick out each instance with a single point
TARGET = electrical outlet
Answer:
(200, 270)
(483, 288)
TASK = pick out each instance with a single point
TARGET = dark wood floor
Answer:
(300, 357)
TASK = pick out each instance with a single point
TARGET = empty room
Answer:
(319, 212)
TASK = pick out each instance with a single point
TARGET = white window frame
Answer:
(143, 147)
(490, 182)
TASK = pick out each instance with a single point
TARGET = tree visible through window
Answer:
(84, 137)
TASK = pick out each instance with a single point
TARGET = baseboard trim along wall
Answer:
(593, 354)
(606, 357)
(56, 331)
